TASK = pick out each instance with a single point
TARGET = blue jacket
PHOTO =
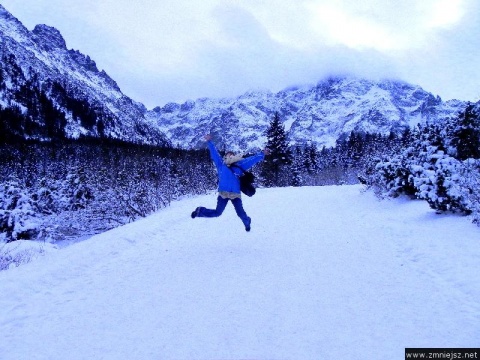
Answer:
(228, 176)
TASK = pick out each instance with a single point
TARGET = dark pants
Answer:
(221, 204)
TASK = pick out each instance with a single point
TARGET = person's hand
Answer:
(208, 137)
(266, 151)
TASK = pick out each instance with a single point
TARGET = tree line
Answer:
(50, 189)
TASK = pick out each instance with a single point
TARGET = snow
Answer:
(326, 272)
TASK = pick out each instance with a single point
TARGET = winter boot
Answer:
(195, 212)
(247, 224)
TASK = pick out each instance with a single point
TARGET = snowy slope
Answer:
(325, 273)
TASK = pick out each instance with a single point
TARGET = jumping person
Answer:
(228, 182)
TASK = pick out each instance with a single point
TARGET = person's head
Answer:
(229, 158)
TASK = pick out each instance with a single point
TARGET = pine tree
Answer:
(311, 156)
(297, 168)
(466, 136)
(275, 170)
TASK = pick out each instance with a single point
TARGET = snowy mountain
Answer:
(322, 113)
(47, 90)
(43, 79)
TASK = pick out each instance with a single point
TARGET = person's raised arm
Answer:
(217, 159)
(247, 163)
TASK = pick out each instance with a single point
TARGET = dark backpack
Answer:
(246, 181)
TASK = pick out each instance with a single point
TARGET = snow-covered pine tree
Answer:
(17, 212)
(311, 161)
(466, 135)
(298, 167)
(275, 169)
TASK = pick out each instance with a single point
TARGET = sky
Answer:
(176, 50)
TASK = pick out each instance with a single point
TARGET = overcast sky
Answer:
(160, 51)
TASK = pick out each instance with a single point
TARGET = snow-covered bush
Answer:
(440, 165)
(441, 186)
(17, 212)
(469, 179)
(46, 197)
(139, 198)
(392, 178)
(77, 190)
(19, 252)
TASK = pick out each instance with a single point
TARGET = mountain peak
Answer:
(63, 87)
(48, 37)
(9, 25)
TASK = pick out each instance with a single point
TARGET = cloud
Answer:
(383, 25)
(247, 55)
(445, 13)
(448, 65)
(254, 45)
(175, 50)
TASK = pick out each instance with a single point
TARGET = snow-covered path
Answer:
(326, 272)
